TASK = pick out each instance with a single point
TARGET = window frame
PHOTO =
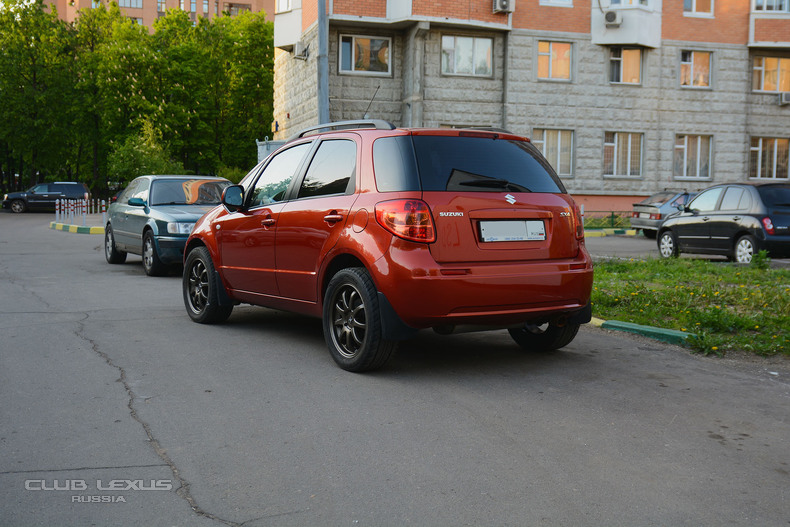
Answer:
(619, 60)
(540, 54)
(692, 86)
(364, 73)
(475, 39)
(685, 148)
(774, 162)
(762, 69)
(616, 151)
(556, 3)
(283, 6)
(764, 3)
(699, 14)
(540, 144)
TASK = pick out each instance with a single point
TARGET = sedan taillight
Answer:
(769, 226)
(409, 219)
(655, 216)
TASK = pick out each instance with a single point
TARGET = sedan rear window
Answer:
(473, 164)
(775, 195)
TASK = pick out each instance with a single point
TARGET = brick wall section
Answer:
(365, 8)
(480, 10)
(296, 89)
(529, 14)
(310, 13)
(772, 30)
(729, 25)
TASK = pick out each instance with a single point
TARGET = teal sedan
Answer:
(154, 216)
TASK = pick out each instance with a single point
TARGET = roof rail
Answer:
(488, 129)
(378, 124)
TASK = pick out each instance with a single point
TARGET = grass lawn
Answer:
(727, 306)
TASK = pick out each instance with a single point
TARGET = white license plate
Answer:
(512, 231)
(645, 215)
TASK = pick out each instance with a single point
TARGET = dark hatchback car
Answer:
(382, 231)
(649, 213)
(154, 216)
(44, 195)
(733, 220)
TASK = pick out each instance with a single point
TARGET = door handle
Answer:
(737, 218)
(267, 222)
(333, 217)
(706, 218)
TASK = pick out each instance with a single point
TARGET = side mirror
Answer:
(136, 202)
(233, 197)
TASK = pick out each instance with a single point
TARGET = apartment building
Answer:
(144, 12)
(624, 97)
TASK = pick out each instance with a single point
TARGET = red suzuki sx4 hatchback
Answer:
(383, 231)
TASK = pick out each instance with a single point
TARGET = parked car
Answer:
(44, 195)
(734, 220)
(650, 212)
(383, 231)
(154, 215)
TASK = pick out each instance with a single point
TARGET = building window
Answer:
(557, 147)
(557, 3)
(467, 56)
(622, 154)
(216, 8)
(137, 4)
(182, 4)
(625, 65)
(695, 69)
(692, 157)
(161, 6)
(365, 55)
(554, 60)
(777, 6)
(283, 5)
(769, 158)
(95, 4)
(618, 3)
(235, 9)
(205, 7)
(698, 7)
(771, 74)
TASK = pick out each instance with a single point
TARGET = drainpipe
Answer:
(323, 63)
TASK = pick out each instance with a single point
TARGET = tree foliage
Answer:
(103, 98)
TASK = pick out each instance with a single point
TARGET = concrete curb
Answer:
(599, 233)
(671, 336)
(75, 228)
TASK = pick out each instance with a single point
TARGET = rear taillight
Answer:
(409, 219)
(769, 226)
(578, 222)
(656, 216)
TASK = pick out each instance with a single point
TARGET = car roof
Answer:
(386, 128)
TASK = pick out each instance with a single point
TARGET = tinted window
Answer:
(474, 164)
(278, 174)
(706, 201)
(70, 190)
(40, 189)
(331, 170)
(775, 195)
(187, 192)
(130, 191)
(658, 199)
(732, 198)
(394, 164)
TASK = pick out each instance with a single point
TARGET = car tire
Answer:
(352, 322)
(547, 337)
(744, 249)
(152, 265)
(201, 289)
(18, 206)
(111, 252)
(668, 245)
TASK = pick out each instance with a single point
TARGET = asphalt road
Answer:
(109, 389)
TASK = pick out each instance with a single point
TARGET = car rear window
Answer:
(659, 198)
(461, 164)
(775, 195)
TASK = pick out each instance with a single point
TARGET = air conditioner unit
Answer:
(300, 50)
(503, 6)
(784, 98)
(613, 18)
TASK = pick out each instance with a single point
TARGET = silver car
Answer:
(649, 213)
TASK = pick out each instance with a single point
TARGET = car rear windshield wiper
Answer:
(495, 183)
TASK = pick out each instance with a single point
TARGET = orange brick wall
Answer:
(372, 8)
(310, 13)
(768, 30)
(729, 25)
(529, 14)
(480, 10)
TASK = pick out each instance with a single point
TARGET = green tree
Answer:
(141, 154)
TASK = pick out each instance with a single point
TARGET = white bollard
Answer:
(57, 211)
(103, 213)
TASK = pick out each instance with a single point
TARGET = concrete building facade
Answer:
(625, 97)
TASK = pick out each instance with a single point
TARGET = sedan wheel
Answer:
(352, 324)
(200, 286)
(18, 206)
(744, 249)
(111, 253)
(151, 263)
(667, 245)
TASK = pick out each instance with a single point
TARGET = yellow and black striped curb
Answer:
(65, 227)
(671, 336)
(599, 233)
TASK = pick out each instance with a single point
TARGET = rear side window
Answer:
(736, 198)
(331, 170)
(394, 164)
(474, 164)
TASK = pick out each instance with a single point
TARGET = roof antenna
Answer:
(366, 116)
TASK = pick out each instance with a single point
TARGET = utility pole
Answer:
(323, 63)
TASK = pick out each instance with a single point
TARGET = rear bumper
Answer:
(425, 294)
(777, 246)
(643, 223)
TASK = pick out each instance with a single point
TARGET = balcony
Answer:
(288, 26)
(769, 29)
(627, 25)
